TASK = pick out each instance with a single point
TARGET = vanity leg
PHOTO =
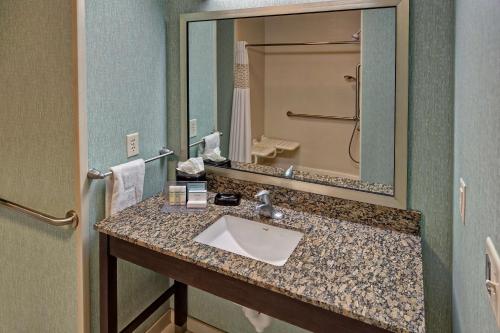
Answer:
(107, 287)
(180, 307)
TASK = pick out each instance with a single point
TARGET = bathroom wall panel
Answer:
(126, 93)
(38, 262)
(202, 39)
(225, 55)
(430, 135)
(378, 84)
(477, 160)
(430, 150)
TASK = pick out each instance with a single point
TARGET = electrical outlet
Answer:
(132, 144)
(193, 128)
(493, 278)
(461, 199)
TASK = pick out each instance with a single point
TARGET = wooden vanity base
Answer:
(277, 305)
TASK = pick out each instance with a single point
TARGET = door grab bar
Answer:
(70, 219)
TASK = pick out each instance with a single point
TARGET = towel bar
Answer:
(96, 174)
(70, 219)
(201, 141)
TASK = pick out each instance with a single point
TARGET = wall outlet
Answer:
(492, 278)
(193, 128)
(132, 144)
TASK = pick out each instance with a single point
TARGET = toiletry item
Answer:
(197, 195)
(176, 195)
(227, 199)
(197, 204)
(197, 186)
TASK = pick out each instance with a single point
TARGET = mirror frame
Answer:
(399, 200)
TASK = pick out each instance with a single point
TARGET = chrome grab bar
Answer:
(356, 105)
(358, 85)
(340, 42)
(70, 219)
(319, 116)
(200, 142)
(96, 174)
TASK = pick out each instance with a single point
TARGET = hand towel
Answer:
(125, 186)
(211, 148)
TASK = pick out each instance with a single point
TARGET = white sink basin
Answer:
(251, 239)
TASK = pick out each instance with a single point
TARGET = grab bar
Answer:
(96, 174)
(356, 103)
(358, 85)
(200, 142)
(319, 116)
(70, 219)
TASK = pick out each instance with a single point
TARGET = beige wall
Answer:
(252, 30)
(304, 79)
(309, 79)
(38, 162)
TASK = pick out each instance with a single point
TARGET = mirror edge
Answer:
(399, 200)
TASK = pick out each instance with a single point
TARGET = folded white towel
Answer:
(124, 187)
(211, 148)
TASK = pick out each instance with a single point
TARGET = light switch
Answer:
(132, 144)
(461, 199)
(492, 278)
(193, 128)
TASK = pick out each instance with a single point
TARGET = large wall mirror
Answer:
(312, 97)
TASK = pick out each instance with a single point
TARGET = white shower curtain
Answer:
(240, 142)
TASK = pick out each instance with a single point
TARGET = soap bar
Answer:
(197, 204)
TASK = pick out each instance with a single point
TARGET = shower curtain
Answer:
(240, 142)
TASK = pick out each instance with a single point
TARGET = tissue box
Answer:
(186, 177)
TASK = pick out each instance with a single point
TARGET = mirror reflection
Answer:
(309, 97)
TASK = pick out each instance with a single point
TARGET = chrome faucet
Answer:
(265, 207)
(289, 172)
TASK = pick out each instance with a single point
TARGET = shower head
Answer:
(356, 36)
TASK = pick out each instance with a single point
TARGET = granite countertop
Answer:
(361, 271)
(316, 177)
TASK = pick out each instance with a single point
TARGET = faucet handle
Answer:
(263, 196)
(262, 193)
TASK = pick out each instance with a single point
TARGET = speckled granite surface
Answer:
(349, 210)
(367, 273)
(310, 177)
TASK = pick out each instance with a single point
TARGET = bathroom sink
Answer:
(251, 239)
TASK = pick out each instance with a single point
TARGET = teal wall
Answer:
(378, 81)
(430, 134)
(126, 93)
(202, 57)
(430, 149)
(38, 262)
(477, 159)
